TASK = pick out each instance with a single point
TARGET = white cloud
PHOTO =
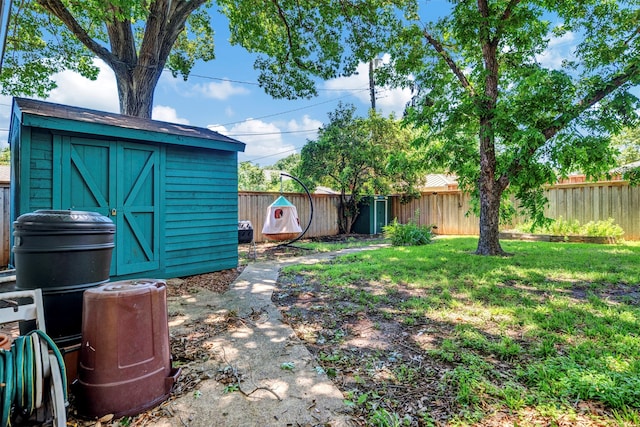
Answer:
(167, 114)
(219, 128)
(393, 101)
(306, 124)
(100, 94)
(300, 131)
(265, 143)
(388, 100)
(558, 50)
(356, 84)
(220, 90)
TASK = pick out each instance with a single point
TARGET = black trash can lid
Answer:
(64, 219)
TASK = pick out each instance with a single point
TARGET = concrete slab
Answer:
(288, 388)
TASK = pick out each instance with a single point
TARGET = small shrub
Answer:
(606, 228)
(562, 227)
(409, 234)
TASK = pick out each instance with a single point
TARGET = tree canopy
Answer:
(137, 40)
(251, 177)
(301, 42)
(628, 144)
(359, 157)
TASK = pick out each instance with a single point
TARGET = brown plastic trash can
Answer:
(125, 362)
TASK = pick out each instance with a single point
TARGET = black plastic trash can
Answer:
(245, 232)
(63, 253)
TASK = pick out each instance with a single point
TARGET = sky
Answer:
(223, 95)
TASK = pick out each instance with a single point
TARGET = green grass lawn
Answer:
(550, 334)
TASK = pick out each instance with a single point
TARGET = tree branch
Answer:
(585, 103)
(631, 71)
(176, 17)
(505, 17)
(122, 41)
(283, 18)
(58, 9)
(450, 62)
(290, 42)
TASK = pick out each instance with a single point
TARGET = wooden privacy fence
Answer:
(445, 209)
(598, 201)
(583, 202)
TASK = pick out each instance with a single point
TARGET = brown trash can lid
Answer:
(127, 286)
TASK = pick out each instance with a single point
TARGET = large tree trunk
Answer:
(489, 241)
(135, 93)
(489, 188)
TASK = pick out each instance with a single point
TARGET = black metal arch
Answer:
(310, 204)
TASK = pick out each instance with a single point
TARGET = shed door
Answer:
(119, 180)
(381, 215)
(136, 208)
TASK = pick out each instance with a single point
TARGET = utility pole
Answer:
(372, 86)
(373, 64)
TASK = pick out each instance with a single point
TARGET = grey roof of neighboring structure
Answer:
(625, 168)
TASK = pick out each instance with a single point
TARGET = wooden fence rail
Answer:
(447, 210)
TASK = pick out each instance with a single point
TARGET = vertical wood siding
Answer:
(200, 213)
(40, 172)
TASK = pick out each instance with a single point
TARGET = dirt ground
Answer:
(364, 352)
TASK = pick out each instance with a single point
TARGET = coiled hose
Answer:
(21, 374)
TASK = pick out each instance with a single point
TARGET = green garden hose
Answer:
(18, 375)
(53, 347)
(8, 386)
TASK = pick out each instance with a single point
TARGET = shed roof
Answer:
(48, 115)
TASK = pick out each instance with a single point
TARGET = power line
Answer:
(294, 110)
(275, 154)
(268, 133)
(221, 79)
(243, 82)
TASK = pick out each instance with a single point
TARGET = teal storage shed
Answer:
(170, 189)
(375, 213)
